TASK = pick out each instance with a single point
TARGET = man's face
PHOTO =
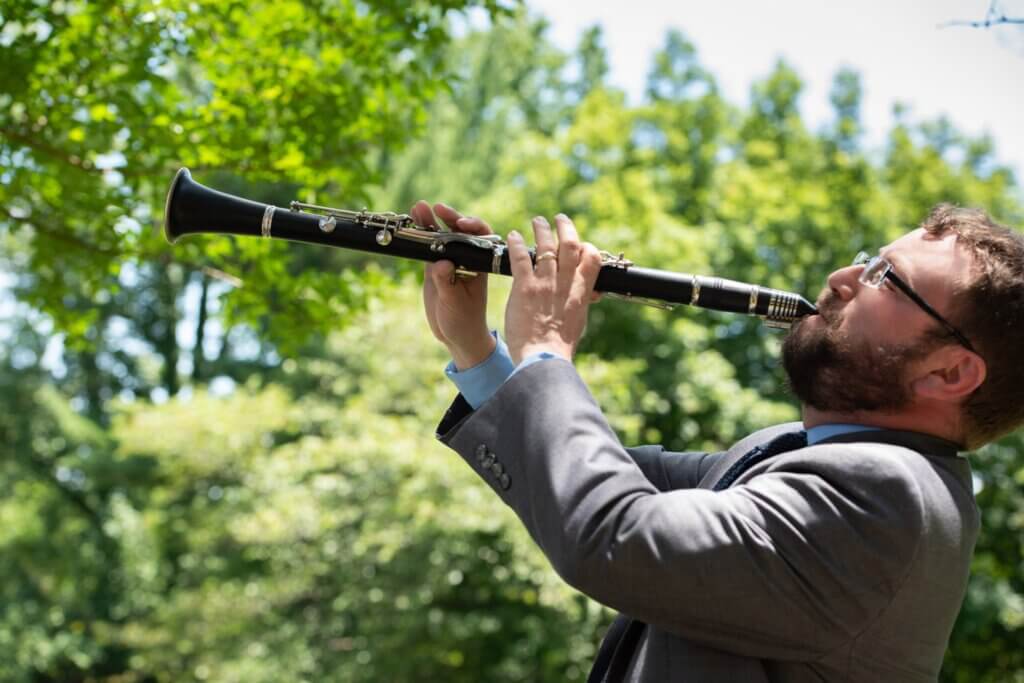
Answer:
(855, 355)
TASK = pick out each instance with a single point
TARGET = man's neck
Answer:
(919, 420)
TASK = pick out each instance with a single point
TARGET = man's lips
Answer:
(829, 307)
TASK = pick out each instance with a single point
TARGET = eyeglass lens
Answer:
(875, 268)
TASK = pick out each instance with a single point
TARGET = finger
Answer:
(441, 277)
(595, 297)
(428, 281)
(589, 269)
(422, 215)
(545, 242)
(568, 240)
(519, 257)
(447, 214)
(473, 225)
(569, 248)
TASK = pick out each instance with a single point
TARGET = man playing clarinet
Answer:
(834, 549)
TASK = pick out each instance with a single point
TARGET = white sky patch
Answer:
(973, 76)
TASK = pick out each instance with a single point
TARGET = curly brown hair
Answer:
(989, 310)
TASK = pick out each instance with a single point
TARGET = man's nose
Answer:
(845, 282)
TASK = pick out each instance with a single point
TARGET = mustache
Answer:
(829, 306)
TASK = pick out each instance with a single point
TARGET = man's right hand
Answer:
(456, 307)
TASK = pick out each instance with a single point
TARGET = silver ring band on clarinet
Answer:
(268, 220)
(497, 253)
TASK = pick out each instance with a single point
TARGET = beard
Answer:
(829, 371)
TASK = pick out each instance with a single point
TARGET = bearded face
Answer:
(830, 370)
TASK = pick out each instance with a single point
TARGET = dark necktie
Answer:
(619, 644)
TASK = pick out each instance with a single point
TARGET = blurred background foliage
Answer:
(218, 459)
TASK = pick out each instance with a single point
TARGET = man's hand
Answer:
(456, 308)
(547, 310)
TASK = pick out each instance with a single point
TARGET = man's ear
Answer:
(950, 374)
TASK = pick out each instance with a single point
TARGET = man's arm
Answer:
(666, 470)
(671, 471)
(785, 565)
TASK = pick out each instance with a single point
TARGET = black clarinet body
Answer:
(193, 208)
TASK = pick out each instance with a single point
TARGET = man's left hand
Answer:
(547, 309)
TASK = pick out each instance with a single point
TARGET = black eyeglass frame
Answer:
(869, 262)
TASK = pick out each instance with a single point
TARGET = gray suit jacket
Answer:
(835, 562)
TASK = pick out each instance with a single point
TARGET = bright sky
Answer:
(974, 76)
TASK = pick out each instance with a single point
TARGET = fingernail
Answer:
(513, 235)
(561, 215)
(540, 219)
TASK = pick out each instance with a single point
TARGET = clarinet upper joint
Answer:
(390, 225)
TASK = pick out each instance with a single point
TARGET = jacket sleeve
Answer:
(669, 471)
(797, 558)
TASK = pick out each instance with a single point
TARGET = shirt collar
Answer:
(845, 433)
(827, 431)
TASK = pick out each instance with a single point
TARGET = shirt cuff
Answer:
(535, 358)
(480, 382)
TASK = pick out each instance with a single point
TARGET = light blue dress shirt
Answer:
(480, 382)
(822, 432)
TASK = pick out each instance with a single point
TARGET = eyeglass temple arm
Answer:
(905, 288)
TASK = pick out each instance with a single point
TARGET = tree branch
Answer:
(76, 162)
(62, 236)
(50, 151)
(992, 18)
(44, 471)
(1002, 19)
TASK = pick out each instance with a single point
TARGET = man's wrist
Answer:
(478, 383)
(470, 355)
(524, 352)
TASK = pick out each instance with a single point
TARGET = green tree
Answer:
(592, 62)
(507, 82)
(101, 101)
(298, 522)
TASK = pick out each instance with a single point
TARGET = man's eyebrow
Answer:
(899, 265)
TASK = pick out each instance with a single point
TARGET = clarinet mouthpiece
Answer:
(785, 308)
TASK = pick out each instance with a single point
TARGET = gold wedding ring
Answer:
(545, 255)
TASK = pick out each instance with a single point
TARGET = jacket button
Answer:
(496, 469)
(505, 481)
(481, 452)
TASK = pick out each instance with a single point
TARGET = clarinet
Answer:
(194, 208)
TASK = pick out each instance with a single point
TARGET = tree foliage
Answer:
(213, 482)
(100, 102)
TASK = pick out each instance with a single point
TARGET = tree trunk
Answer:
(198, 361)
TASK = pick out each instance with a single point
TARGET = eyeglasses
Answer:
(877, 269)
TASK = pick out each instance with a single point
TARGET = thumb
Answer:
(441, 274)
(590, 266)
